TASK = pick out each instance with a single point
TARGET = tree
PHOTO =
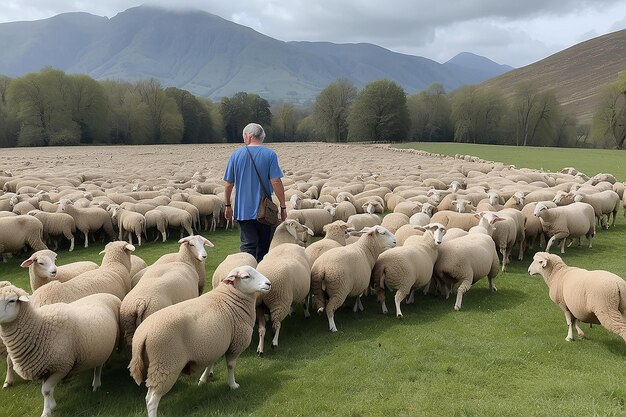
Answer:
(379, 112)
(430, 114)
(609, 120)
(284, 116)
(477, 115)
(9, 127)
(87, 101)
(196, 119)
(241, 109)
(533, 111)
(165, 123)
(330, 111)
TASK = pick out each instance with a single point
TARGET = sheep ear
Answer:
(291, 228)
(208, 243)
(420, 228)
(102, 251)
(24, 298)
(129, 247)
(185, 239)
(309, 231)
(544, 262)
(28, 262)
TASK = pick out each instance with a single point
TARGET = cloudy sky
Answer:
(513, 32)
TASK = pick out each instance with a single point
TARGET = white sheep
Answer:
(191, 250)
(289, 271)
(231, 262)
(465, 260)
(394, 221)
(290, 231)
(52, 342)
(314, 218)
(178, 218)
(158, 220)
(42, 268)
(207, 205)
(588, 296)
(335, 236)
(16, 232)
(422, 218)
(363, 220)
(130, 222)
(112, 276)
(90, 219)
(298, 203)
(196, 333)
(604, 203)
(56, 224)
(572, 221)
(452, 219)
(345, 272)
(408, 267)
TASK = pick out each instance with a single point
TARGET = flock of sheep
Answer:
(398, 220)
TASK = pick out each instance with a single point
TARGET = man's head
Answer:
(253, 132)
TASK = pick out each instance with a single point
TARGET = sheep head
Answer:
(11, 298)
(247, 280)
(44, 261)
(196, 244)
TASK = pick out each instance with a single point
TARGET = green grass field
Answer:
(503, 354)
(589, 161)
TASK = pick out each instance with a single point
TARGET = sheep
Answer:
(56, 224)
(207, 205)
(191, 251)
(335, 236)
(422, 218)
(299, 203)
(588, 296)
(462, 205)
(87, 220)
(288, 269)
(452, 219)
(504, 236)
(178, 218)
(196, 333)
(52, 342)
(343, 210)
(532, 225)
(18, 231)
(23, 207)
(345, 272)
(141, 208)
(393, 221)
(290, 231)
(158, 220)
(465, 260)
(314, 219)
(112, 276)
(408, 208)
(572, 221)
(189, 208)
(604, 203)
(42, 268)
(408, 267)
(370, 205)
(129, 221)
(231, 262)
(161, 285)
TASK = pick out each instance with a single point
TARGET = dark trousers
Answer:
(255, 238)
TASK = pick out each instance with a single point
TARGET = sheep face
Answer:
(384, 238)
(196, 245)
(10, 299)
(541, 261)
(438, 230)
(247, 280)
(44, 263)
(540, 208)
(297, 230)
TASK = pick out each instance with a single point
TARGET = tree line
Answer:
(50, 107)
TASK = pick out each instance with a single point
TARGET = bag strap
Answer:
(268, 195)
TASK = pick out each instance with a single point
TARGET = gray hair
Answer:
(256, 130)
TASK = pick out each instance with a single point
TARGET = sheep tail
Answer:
(133, 319)
(136, 365)
(317, 281)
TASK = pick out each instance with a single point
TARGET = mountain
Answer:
(576, 74)
(214, 57)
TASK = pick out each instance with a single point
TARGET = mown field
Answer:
(503, 354)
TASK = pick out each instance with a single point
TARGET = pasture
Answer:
(502, 354)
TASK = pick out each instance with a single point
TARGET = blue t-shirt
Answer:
(240, 171)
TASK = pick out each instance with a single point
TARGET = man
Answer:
(255, 237)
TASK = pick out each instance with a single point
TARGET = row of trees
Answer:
(53, 108)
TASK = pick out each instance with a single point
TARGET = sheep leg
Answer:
(334, 302)
(152, 402)
(139, 238)
(411, 298)
(358, 306)
(612, 321)
(8, 381)
(380, 296)
(307, 304)
(561, 235)
(130, 237)
(260, 319)
(505, 257)
(276, 328)
(87, 239)
(97, 374)
(569, 319)
(47, 390)
(208, 373)
(72, 243)
(398, 299)
(465, 285)
(164, 233)
(231, 362)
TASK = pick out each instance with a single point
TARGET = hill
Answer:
(576, 74)
(213, 57)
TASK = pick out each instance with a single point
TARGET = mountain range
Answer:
(213, 57)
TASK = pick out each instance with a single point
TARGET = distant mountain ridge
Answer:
(576, 74)
(213, 57)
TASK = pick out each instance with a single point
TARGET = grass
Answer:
(503, 354)
(589, 161)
